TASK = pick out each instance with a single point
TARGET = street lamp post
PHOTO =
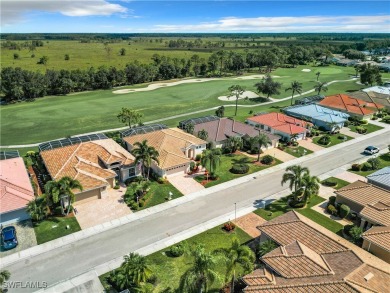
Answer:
(235, 212)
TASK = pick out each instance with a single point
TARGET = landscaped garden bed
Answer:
(365, 129)
(334, 182)
(366, 168)
(328, 140)
(297, 151)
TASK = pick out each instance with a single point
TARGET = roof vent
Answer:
(368, 277)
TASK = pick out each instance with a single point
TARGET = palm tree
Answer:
(264, 247)
(234, 142)
(58, 191)
(294, 174)
(334, 127)
(296, 87)
(212, 159)
(237, 91)
(203, 134)
(294, 137)
(318, 75)
(136, 268)
(321, 86)
(262, 140)
(37, 208)
(237, 255)
(311, 185)
(202, 272)
(145, 154)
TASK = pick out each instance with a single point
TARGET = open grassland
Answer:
(59, 116)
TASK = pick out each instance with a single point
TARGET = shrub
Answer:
(295, 143)
(116, 186)
(239, 169)
(332, 200)
(176, 250)
(297, 204)
(356, 233)
(213, 176)
(361, 129)
(226, 150)
(386, 119)
(340, 136)
(374, 163)
(329, 183)
(152, 280)
(264, 247)
(321, 128)
(324, 140)
(374, 118)
(229, 226)
(356, 167)
(346, 123)
(331, 210)
(267, 160)
(192, 166)
(347, 228)
(141, 203)
(363, 122)
(198, 157)
(366, 167)
(134, 206)
(344, 211)
(255, 150)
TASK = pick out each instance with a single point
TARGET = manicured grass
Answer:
(322, 220)
(159, 193)
(340, 183)
(370, 128)
(384, 161)
(55, 227)
(61, 116)
(334, 139)
(169, 269)
(226, 164)
(297, 151)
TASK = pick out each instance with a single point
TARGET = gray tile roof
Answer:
(381, 176)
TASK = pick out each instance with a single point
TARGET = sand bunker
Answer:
(245, 94)
(306, 70)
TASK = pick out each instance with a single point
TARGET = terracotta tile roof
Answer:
(370, 278)
(84, 162)
(380, 236)
(350, 104)
(378, 213)
(335, 287)
(281, 122)
(261, 276)
(15, 187)
(223, 128)
(170, 143)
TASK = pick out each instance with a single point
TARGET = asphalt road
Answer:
(76, 258)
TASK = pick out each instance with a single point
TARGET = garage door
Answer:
(13, 217)
(87, 196)
(181, 169)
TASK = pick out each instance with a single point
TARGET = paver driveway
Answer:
(185, 183)
(249, 224)
(274, 152)
(309, 144)
(26, 237)
(99, 211)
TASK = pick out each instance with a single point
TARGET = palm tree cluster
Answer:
(211, 159)
(145, 155)
(259, 141)
(303, 185)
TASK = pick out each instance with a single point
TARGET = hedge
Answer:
(267, 160)
(344, 211)
(239, 169)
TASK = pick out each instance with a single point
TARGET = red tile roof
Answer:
(350, 104)
(281, 122)
(15, 187)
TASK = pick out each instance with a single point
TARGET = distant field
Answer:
(54, 117)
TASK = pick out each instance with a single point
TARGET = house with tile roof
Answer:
(320, 116)
(377, 241)
(98, 165)
(176, 149)
(280, 124)
(372, 97)
(350, 105)
(15, 191)
(380, 178)
(220, 129)
(310, 258)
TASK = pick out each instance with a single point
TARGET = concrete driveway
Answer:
(99, 211)
(26, 237)
(309, 144)
(185, 183)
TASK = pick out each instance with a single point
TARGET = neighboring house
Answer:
(380, 178)
(220, 129)
(384, 90)
(15, 190)
(370, 202)
(96, 161)
(384, 66)
(350, 105)
(318, 115)
(280, 124)
(377, 241)
(372, 97)
(346, 62)
(176, 148)
(310, 258)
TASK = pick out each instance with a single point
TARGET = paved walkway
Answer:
(321, 208)
(249, 224)
(350, 177)
(309, 144)
(185, 183)
(349, 132)
(103, 210)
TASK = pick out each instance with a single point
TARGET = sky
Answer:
(213, 16)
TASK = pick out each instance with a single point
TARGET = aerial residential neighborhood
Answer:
(194, 146)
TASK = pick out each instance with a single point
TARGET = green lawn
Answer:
(334, 139)
(280, 207)
(158, 194)
(340, 183)
(384, 161)
(59, 116)
(370, 128)
(55, 227)
(226, 164)
(169, 269)
(297, 151)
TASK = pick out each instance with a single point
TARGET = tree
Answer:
(16, 56)
(236, 256)
(370, 74)
(122, 51)
(294, 174)
(234, 142)
(145, 154)
(202, 272)
(37, 208)
(211, 159)
(129, 116)
(237, 91)
(296, 87)
(220, 112)
(4, 276)
(261, 140)
(311, 186)
(43, 60)
(374, 163)
(202, 134)
(66, 57)
(264, 247)
(221, 57)
(189, 128)
(136, 267)
(318, 75)
(62, 190)
(268, 87)
(321, 86)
